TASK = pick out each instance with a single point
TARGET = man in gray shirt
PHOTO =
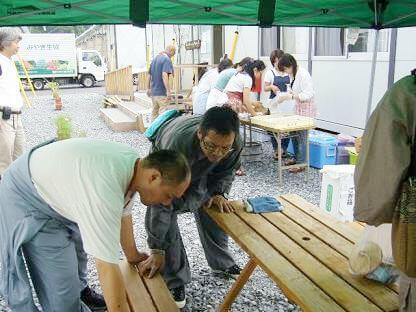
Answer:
(212, 146)
(158, 80)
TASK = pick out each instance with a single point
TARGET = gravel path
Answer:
(205, 292)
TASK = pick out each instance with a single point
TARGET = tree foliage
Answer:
(76, 29)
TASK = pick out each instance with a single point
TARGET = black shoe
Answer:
(179, 296)
(233, 272)
(93, 300)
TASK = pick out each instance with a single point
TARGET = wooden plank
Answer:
(329, 282)
(120, 82)
(350, 230)
(289, 279)
(281, 123)
(238, 285)
(160, 293)
(382, 296)
(305, 214)
(137, 294)
(320, 230)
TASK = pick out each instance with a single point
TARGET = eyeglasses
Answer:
(212, 148)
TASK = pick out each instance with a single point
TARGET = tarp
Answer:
(331, 13)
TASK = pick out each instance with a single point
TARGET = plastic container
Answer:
(322, 150)
(343, 156)
(353, 158)
(345, 140)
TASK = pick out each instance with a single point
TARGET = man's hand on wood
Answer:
(221, 204)
(152, 264)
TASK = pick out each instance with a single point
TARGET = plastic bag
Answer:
(381, 235)
(372, 255)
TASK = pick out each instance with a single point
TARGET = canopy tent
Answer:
(375, 14)
(326, 13)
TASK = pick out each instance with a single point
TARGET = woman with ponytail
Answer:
(240, 85)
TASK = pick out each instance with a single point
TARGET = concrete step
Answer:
(118, 120)
(142, 99)
(132, 109)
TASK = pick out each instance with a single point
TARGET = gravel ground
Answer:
(205, 292)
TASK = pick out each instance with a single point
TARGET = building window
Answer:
(365, 40)
(295, 40)
(269, 40)
(329, 41)
(336, 41)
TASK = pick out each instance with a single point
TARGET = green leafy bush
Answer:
(54, 86)
(63, 127)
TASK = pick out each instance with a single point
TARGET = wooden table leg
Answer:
(245, 135)
(238, 285)
(307, 155)
(249, 131)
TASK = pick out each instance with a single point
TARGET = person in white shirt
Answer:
(207, 83)
(303, 93)
(216, 96)
(301, 86)
(276, 82)
(12, 136)
(240, 85)
(64, 197)
(238, 91)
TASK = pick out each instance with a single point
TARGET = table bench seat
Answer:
(144, 294)
(305, 252)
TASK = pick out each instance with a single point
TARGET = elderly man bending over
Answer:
(62, 197)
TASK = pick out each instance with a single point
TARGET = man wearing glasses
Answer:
(212, 146)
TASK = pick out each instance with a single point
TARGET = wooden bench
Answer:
(305, 252)
(144, 294)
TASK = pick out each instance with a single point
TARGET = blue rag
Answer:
(263, 204)
(151, 132)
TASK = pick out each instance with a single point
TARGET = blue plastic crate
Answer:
(322, 150)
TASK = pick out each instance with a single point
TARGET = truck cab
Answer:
(91, 67)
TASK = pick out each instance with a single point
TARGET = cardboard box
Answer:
(337, 191)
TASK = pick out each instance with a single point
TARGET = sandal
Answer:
(240, 172)
(296, 170)
(289, 162)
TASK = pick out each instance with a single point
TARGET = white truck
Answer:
(54, 57)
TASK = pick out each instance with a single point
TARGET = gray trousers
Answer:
(55, 259)
(214, 242)
(34, 235)
(407, 293)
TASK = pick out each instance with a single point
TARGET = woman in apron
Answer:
(302, 93)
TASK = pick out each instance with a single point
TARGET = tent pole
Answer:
(392, 57)
(373, 71)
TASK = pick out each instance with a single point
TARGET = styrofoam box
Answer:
(337, 191)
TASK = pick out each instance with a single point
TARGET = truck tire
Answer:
(88, 81)
(38, 84)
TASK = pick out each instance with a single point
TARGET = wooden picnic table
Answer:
(283, 126)
(305, 252)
